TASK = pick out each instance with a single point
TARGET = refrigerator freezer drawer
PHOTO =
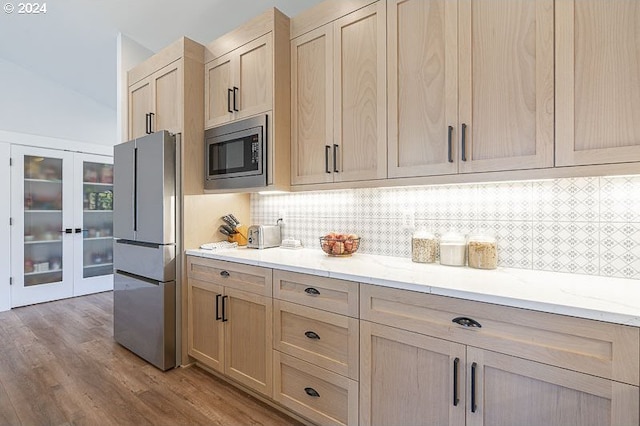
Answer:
(144, 318)
(157, 262)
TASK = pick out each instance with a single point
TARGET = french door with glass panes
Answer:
(61, 245)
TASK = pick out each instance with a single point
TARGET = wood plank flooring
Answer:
(60, 365)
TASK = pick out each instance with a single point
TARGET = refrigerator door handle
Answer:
(135, 189)
(137, 277)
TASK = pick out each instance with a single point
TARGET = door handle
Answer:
(235, 93)
(218, 316)
(229, 91)
(450, 144)
(151, 115)
(224, 309)
(66, 231)
(464, 142)
(135, 189)
(327, 149)
(146, 123)
(335, 158)
(456, 400)
(474, 406)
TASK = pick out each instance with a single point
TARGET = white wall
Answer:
(5, 229)
(129, 54)
(32, 104)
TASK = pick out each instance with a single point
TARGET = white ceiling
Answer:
(74, 43)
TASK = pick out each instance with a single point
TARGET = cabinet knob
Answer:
(467, 322)
(312, 335)
(312, 392)
(311, 291)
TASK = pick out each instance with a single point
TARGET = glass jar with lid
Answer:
(483, 250)
(453, 249)
(424, 246)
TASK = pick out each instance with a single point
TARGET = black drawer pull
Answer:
(467, 322)
(224, 274)
(312, 335)
(312, 392)
(312, 291)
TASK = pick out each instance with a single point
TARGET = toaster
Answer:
(263, 236)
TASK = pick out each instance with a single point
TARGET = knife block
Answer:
(240, 237)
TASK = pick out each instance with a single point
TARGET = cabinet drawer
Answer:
(313, 392)
(602, 349)
(328, 294)
(326, 339)
(230, 274)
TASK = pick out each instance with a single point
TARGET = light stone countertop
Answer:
(614, 300)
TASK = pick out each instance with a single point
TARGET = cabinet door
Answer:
(253, 85)
(360, 99)
(93, 224)
(506, 84)
(409, 379)
(167, 99)
(205, 336)
(312, 106)
(598, 82)
(510, 391)
(139, 106)
(248, 339)
(423, 87)
(42, 231)
(218, 91)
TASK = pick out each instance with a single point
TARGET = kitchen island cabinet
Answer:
(339, 99)
(230, 320)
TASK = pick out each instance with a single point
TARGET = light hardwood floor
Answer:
(60, 365)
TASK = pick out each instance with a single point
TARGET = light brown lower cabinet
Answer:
(320, 395)
(230, 330)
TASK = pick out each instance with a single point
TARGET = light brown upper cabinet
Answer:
(471, 86)
(166, 92)
(247, 73)
(155, 102)
(597, 82)
(339, 99)
(240, 83)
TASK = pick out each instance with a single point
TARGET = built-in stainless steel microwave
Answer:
(236, 154)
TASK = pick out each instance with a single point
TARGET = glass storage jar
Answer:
(483, 251)
(453, 249)
(424, 245)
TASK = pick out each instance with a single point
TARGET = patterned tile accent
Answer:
(582, 225)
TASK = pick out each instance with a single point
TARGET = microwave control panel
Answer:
(255, 150)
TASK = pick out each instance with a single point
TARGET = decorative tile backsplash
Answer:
(582, 225)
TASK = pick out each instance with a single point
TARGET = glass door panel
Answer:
(42, 220)
(97, 190)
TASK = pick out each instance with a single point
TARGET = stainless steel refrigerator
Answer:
(145, 298)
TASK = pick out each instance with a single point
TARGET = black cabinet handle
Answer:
(327, 149)
(218, 316)
(224, 309)
(225, 274)
(312, 392)
(456, 400)
(312, 335)
(464, 142)
(311, 291)
(229, 92)
(335, 158)
(467, 322)
(67, 231)
(474, 406)
(450, 144)
(235, 94)
(146, 124)
(151, 115)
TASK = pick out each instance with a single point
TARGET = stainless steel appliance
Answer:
(236, 154)
(264, 236)
(146, 296)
